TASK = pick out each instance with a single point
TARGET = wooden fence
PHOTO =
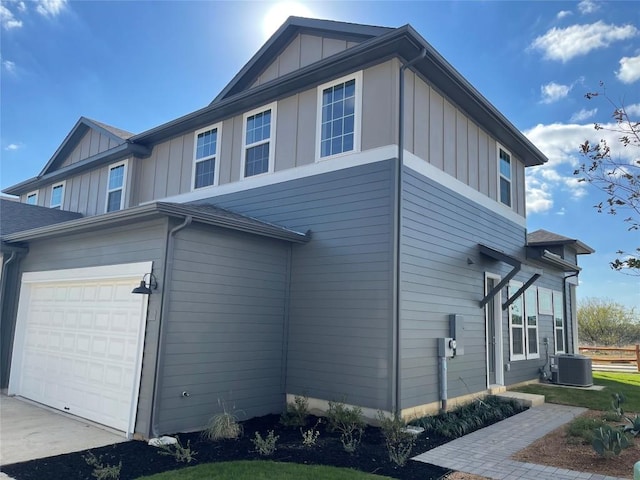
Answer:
(613, 355)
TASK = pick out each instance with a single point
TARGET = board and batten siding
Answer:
(303, 50)
(92, 143)
(340, 335)
(143, 241)
(168, 171)
(442, 134)
(224, 334)
(441, 229)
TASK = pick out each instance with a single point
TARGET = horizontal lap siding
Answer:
(224, 336)
(441, 229)
(341, 281)
(128, 244)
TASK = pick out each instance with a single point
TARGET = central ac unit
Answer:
(568, 369)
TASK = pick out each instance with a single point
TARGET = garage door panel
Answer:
(82, 346)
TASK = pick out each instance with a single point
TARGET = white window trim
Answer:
(124, 184)
(510, 180)
(216, 156)
(499, 344)
(272, 139)
(35, 192)
(545, 301)
(63, 184)
(514, 287)
(527, 311)
(357, 121)
(558, 294)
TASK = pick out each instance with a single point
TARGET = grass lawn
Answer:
(262, 470)
(627, 384)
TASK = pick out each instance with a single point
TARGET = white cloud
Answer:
(539, 199)
(552, 92)
(629, 69)
(50, 8)
(9, 66)
(563, 44)
(12, 147)
(588, 6)
(8, 20)
(633, 109)
(583, 115)
(563, 13)
(22, 7)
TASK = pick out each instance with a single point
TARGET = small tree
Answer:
(617, 178)
(605, 322)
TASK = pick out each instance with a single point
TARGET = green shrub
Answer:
(611, 416)
(609, 441)
(267, 445)
(349, 422)
(634, 425)
(222, 426)
(581, 430)
(180, 453)
(616, 403)
(398, 440)
(296, 413)
(100, 470)
(310, 436)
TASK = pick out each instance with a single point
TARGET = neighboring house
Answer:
(290, 255)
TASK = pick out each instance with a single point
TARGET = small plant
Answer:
(267, 445)
(349, 422)
(581, 430)
(297, 413)
(616, 403)
(310, 436)
(634, 425)
(100, 470)
(398, 440)
(222, 426)
(611, 416)
(609, 441)
(181, 453)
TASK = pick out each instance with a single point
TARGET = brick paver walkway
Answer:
(486, 452)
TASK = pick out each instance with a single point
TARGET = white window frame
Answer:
(30, 194)
(271, 140)
(514, 287)
(357, 121)
(558, 314)
(216, 156)
(500, 176)
(545, 301)
(124, 163)
(53, 187)
(531, 309)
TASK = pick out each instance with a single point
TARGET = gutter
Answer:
(396, 393)
(166, 281)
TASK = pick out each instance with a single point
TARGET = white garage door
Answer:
(79, 340)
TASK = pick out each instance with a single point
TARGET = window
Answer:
(205, 158)
(57, 196)
(504, 176)
(32, 198)
(339, 105)
(523, 323)
(558, 322)
(258, 134)
(116, 186)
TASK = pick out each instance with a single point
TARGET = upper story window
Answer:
(32, 198)
(57, 196)
(339, 106)
(504, 164)
(116, 186)
(205, 160)
(258, 141)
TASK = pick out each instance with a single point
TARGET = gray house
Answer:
(309, 232)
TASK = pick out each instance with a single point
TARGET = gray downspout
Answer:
(166, 281)
(11, 258)
(396, 371)
(9, 348)
(565, 307)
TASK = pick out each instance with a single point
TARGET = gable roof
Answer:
(284, 35)
(16, 217)
(544, 238)
(379, 44)
(201, 213)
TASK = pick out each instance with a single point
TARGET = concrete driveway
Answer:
(28, 431)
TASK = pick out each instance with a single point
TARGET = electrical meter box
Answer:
(446, 347)
(456, 330)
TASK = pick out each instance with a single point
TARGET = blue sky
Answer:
(136, 65)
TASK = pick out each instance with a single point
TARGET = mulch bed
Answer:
(139, 459)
